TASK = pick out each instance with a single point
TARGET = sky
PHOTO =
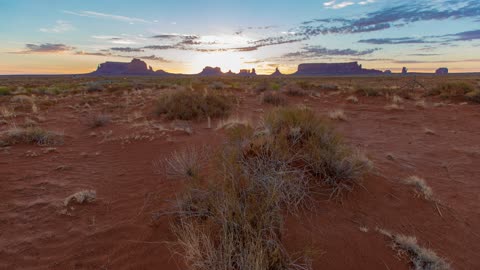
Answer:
(72, 37)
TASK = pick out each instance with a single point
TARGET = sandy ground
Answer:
(116, 231)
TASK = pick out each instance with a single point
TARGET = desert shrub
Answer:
(294, 90)
(473, 96)
(188, 105)
(420, 257)
(95, 87)
(323, 154)
(274, 99)
(262, 87)
(369, 91)
(30, 135)
(4, 91)
(99, 120)
(233, 218)
(452, 89)
(328, 87)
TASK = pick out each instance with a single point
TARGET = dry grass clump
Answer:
(30, 135)
(352, 99)
(190, 105)
(421, 104)
(306, 142)
(394, 107)
(99, 120)
(233, 218)
(274, 99)
(294, 90)
(369, 91)
(452, 89)
(473, 96)
(420, 257)
(81, 197)
(186, 164)
(337, 115)
(397, 99)
(421, 187)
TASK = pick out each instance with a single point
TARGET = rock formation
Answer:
(211, 71)
(441, 71)
(388, 72)
(352, 68)
(404, 70)
(247, 72)
(135, 67)
(276, 73)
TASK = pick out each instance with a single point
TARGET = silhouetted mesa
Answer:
(352, 68)
(211, 71)
(247, 72)
(441, 71)
(135, 67)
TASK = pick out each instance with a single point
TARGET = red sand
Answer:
(116, 232)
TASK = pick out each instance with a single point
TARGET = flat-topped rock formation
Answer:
(211, 71)
(352, 68)
(441, 71)
(135, 67)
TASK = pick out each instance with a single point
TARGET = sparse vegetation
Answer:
(274, 99)
(234, 220)
(421, 258)
(190, 105)
(421, 187)
(337, 115)
(99, 120)
(30, 135)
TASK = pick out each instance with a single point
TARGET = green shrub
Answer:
(4, 91)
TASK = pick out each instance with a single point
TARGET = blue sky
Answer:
(53, 36)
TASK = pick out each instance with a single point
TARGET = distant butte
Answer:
(352, 68)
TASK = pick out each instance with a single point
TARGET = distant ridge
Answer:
(139, 68)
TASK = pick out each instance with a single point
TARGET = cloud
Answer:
(334, 5)
(93, 53)
(366, 2)
(319, 51)
(387, 41)
(126, 49)
(154, 58)
(94, 14)
(45, 48)
(465, 36)
(59, 27)
(394, 16)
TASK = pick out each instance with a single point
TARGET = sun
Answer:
(225, 60)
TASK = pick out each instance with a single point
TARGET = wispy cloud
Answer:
(319, 51)
(45, 48)
(95, 14)
(388, 41)
(126, 49)
(338, 5)
(59, 27)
